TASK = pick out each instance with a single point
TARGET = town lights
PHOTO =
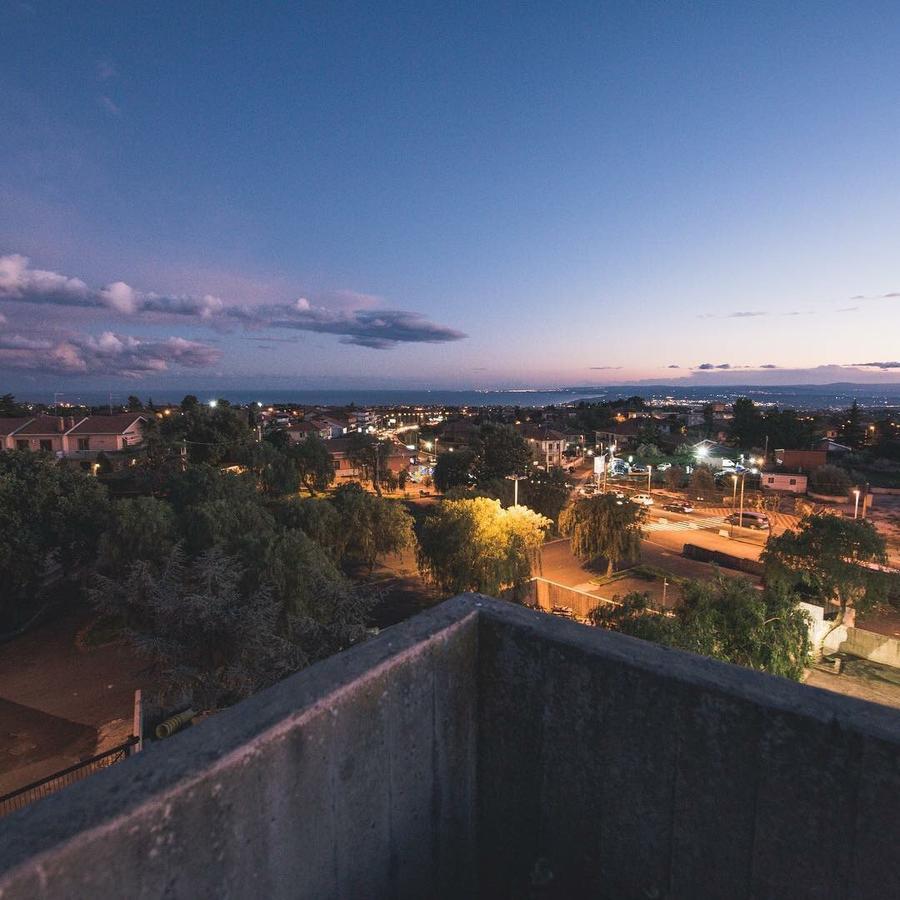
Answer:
(213, 404)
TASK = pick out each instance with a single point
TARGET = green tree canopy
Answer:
(603, 526)
(140, 528)
(831, 561)
(703, 482)
(51, 514)
(830, 480)
(728, 619)
(502, 451)
(454, 469)
(315, 466)
(477, 545)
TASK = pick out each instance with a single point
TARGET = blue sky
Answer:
(416, 194)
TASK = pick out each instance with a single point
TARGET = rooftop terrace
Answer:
(482, 749)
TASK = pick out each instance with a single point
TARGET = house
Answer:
(392, 458)
(335, 426)
(832, 448)
(801, 460)
(8, 429)
(780, 480)
(42, 433)
(620, 435)
(300, 431)
(547, 445)
(362, 420)
(107, 434)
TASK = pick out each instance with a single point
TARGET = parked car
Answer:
(638, 469)
(679, 506)
(748, 519)
(643, 499)
(662, 467)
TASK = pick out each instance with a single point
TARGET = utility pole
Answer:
(741, 518)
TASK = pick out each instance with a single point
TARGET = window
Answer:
(84, 444)
(21, 445)
(771, 481)
(793, 481)
(47, 445)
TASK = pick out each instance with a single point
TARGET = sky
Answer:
(448, 195)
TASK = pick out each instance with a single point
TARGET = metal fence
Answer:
(36, 790)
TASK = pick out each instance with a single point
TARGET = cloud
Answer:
(110, 354)
(109, 105)
(879, 365)
(746, 314)
(603, 368)
(891, 295)
(706, 367)
(768, 366)
(673, 366)
(354, 320)
(848, 309)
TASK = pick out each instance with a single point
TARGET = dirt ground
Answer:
(61, 701)
(861, 679)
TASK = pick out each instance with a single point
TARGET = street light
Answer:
(856, 503)
(649, 474)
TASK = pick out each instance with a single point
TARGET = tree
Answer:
(830, 480)
(477, 545)
(746, 423)
(726, 618)
(852, 431)
(502, 451)
(675, 477)
(318, 519)
(603, 526)
(52, 516)
(543, 491)
(142, 528)
(275, 471)
(453, 469)
(9, 407)
(372, 525)
(211, 641)
(703, 482)
(364, 452)
(134, 403)
(315, 465)
(832, 561)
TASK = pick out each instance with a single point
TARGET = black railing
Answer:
(20, 798)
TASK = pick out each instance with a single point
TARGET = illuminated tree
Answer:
(477, 545)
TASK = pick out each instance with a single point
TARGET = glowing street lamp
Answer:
(856, 503)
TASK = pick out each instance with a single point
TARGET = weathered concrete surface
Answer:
(353, 778)
(622, 769)
(481, 749)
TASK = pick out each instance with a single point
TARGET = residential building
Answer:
(43, 433)
(392, 457)
(300, 431)
(8, 429)
(334, 425)
(106, 434)
(547, 445)
(793, 482)
(801, 460)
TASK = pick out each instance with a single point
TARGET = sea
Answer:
(830, 396)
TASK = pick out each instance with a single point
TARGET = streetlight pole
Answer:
(741, 517)
(856, 503)
(649, 475)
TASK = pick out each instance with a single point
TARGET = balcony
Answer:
(485, 750)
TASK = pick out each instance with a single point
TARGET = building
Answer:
(485, 750)
(300, 431)
(362, 420)
(8, 429)
(335, 426)
(392, 457)
(106, 434)
(801, 460)
(547, 445)
(71, 437)
(793, 482)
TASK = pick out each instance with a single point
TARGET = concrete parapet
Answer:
(482, 749)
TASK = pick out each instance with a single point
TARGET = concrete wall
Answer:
(609, 767)
(856, 641)
(483, 749)
(351, 779)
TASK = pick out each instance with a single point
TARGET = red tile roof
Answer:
(9, 425)
(41, 425)
(106, 424)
